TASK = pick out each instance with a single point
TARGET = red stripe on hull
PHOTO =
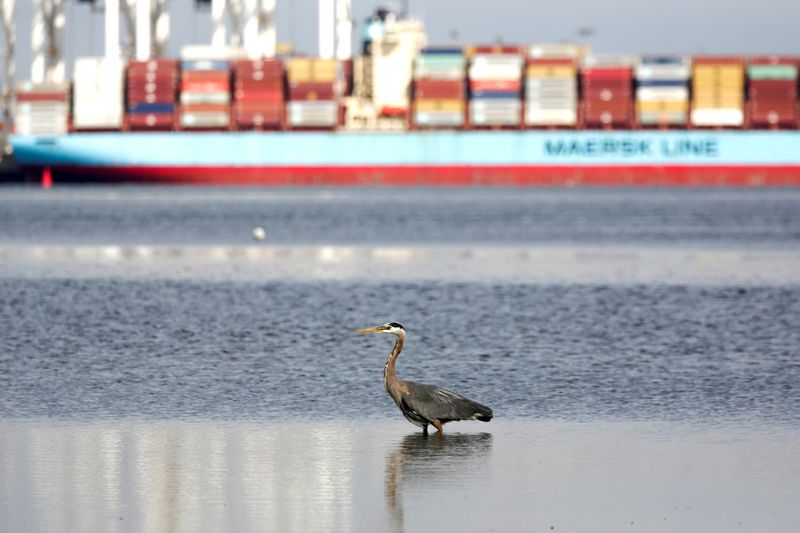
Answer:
(456, 175)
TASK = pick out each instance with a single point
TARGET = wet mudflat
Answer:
(508, 475)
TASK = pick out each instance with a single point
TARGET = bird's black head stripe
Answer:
(396, 325)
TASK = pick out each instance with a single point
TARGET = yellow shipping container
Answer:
(552, 71)
(644, 107)
(324, 70)
(439, 105)
(727, 74)
(727, 101)
(309, 69)
(299, 68)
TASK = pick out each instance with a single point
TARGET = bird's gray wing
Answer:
(436, 403)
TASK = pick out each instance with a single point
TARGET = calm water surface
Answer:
(160, 371)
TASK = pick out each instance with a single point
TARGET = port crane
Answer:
(247, 25)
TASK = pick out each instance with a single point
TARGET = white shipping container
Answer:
(561, 84)
(663, 72)
(552, 103)
(46, 87)
(675, 118)
(610, 60)
(550, 117)
(483, 115)
(717, 117)
(498, 59)
(439, 73)
(552, 93)
(313, 113)
(98, 96)
(190, 97)
(40, 106)
(662, 94)
(207, 119)
(495, 72)
(552, 51)
(439, 118)
(508, 105)
(36, 125)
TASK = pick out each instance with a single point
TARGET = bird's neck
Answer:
(389, 376)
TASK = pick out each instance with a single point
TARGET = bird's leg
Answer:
(425, 430)
(438, 425)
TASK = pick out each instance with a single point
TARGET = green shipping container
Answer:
(772, 72)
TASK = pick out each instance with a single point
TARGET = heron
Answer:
(423, 404)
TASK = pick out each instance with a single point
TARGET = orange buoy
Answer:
(47, 178)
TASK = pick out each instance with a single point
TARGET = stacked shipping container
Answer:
(151, 94)
(551, 87)
(495, 82)
(97, 95)
(718, 92)
(607, 91)
(438, 90)
(259, 97)
(313, 98)
(42, 108)
(662, 91)
(772, 92)
(205, 95)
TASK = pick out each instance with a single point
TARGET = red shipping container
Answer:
(495, 85)
(607, 94)
(606, 73)
(439, 89)
(311, 91)
(621, 85)
(259, 107)
(259, 85)
(718, 60)
(266, 66)
(773, 89)
(259, 96)
(151, 98)
(153, 64)
(552, 62)
(766, 118)
(161, 95)
(42, 97)
(153, 77)
(774, 60)
(773, 106)
(216, 76)
(255, 120)
(608, 113)
(134, 70)
(507, 49)
(152, 87)
(205, 87)
(161, 121)
(149, 74)
(606, 118)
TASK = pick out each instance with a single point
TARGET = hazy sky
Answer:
(631, 26)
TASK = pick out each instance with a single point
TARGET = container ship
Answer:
(406, 113)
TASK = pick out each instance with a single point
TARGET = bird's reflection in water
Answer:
(422, 459)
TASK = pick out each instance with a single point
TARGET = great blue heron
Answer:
(424, 404)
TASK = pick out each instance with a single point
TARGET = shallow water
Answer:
(160, 371)
(354, 476)
(167, 349)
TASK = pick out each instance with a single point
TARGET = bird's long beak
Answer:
(377, 329)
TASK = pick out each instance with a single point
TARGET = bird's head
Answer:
(391, 327)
